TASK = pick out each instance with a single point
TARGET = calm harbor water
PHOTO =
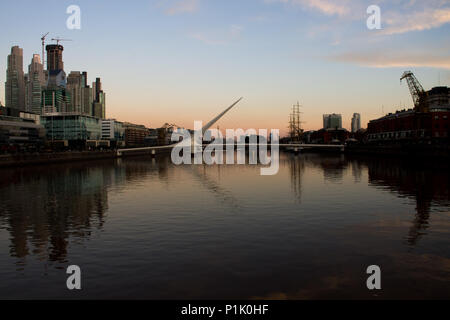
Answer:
(143, 228)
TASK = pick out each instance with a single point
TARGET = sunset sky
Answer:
(178, 61)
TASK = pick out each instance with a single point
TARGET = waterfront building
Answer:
(72, 127)
(356, 122)
(54, 100)
(74, 86)
(414, 125)
(99, 109)
(87, 100)
(15, 80)
(152, 139)
(332, 121)
(99, 105)
(71, 110)
(55, 66)
(329, 136)
(165, 135)
(410, 125)
(113, 131)
(56, 78)
(14, 113)
(54, 57)
(21, 131)
(135, 134)
(34, 85)
(81, 95)
(439, 98)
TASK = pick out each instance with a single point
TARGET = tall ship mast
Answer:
(295, 129)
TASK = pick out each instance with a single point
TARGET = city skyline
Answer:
(181, 61)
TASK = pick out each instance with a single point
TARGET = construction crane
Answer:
(418, 94)
(43, 47)
(58, 40)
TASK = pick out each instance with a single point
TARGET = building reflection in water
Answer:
(357, 169)
(43, 207)
(426, 182)
(333, 168)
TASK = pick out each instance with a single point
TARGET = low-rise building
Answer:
(135, 134)
(329, 136)
(74, 128)
(113, 131)
(20, 133)
(152, 139)
(411, 125)
(430, 123)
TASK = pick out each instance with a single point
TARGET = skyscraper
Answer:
(34, 85)
(54, 57)
(55, 66)
(332, 121)
(74, 86)
(15, 81)
(55, 96)
(80, 93)
(99, 104)
(98, 88)
(356, 122)
(88, 100)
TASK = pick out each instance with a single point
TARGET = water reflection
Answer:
(41, 209)
(223, 195)
(309, 227)
(296, 167)
(425, 182)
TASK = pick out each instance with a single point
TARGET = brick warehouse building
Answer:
(135, 134)
(413, 125)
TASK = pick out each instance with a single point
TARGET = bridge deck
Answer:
(300, 146)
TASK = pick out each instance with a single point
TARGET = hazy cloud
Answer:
(328, 7)
(183, 6)
(219, 38)
(386, 60)
(399, 16)
(428, 18)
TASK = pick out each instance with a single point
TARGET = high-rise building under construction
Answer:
(54, 57)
